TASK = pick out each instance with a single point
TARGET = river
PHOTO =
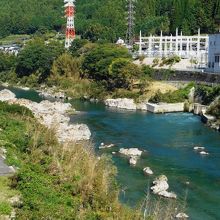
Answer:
(168, 140)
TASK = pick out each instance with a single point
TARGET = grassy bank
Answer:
(57, 181)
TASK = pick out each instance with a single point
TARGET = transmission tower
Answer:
(70, 27)
(130, 20)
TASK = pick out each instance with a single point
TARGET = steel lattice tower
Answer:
(131, 24)
(70, 27)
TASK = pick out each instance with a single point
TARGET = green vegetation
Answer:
(61, 182)
(207, 94)
(92, 70)
(170, 61)
(105, 19)
(22, 17)
(215, 109)
(37, 58)
(56, 182)
(14, 39)
(180, 95)
(7, 61)
(6, 194)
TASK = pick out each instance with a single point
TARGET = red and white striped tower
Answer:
(70, 27)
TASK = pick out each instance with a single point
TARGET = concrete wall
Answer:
(164, 108)
(186, 76)
(199, 109)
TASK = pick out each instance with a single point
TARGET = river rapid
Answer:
(168, 140)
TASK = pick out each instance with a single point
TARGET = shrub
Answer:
(207, 94)
(5, 208)
(215, 109)
(7, 61)
(96, 63)
(156, 62)
(170, 61)
(172, 97)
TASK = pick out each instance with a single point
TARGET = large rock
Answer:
(121, 103)
(182, 215)
(6, 95)
(51, 93)
(133, 161)
(160, 184)
(148, 171)
(106, 146)
(130, 152)
(160, 187)
(170, 195)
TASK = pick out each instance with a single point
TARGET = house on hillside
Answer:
(214, 53)
(11, 49)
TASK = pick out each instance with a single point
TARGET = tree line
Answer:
(106, 19)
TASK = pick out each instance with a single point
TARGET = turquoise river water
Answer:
(168, 140)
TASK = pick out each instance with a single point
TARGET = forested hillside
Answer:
(106, 19)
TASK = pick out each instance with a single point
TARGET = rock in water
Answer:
(103, 146)
(204, 153)
(133, 161)
(182, 215)
(166, 194)
(6, 95)
(130, 152)
(161, 186)
(148, 171)
(198, 148)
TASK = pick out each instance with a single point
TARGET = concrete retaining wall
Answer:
(163, 108)
(199, 109)
(187, 76)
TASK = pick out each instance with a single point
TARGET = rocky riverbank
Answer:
(53, 115)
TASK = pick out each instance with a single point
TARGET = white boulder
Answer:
(103, 146)
(170, 195)
(133, 161)
(148, 171)
(130, 152)
(198, 148)
(6, 95)
(160, 187)
(204, 153)
(160, 184)
(182, 215)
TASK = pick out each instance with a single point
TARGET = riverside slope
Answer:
(53, 115)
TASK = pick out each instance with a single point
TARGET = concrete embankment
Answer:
(186, 76)
(129, 104)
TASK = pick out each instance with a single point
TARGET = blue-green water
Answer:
(169, 140)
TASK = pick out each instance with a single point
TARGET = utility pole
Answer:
(131, 24)
(70, 26)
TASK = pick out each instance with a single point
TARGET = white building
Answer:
(214, 53)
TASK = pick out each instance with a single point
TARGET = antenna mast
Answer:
(70, 26)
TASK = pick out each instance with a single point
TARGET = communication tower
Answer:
(70, 26)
